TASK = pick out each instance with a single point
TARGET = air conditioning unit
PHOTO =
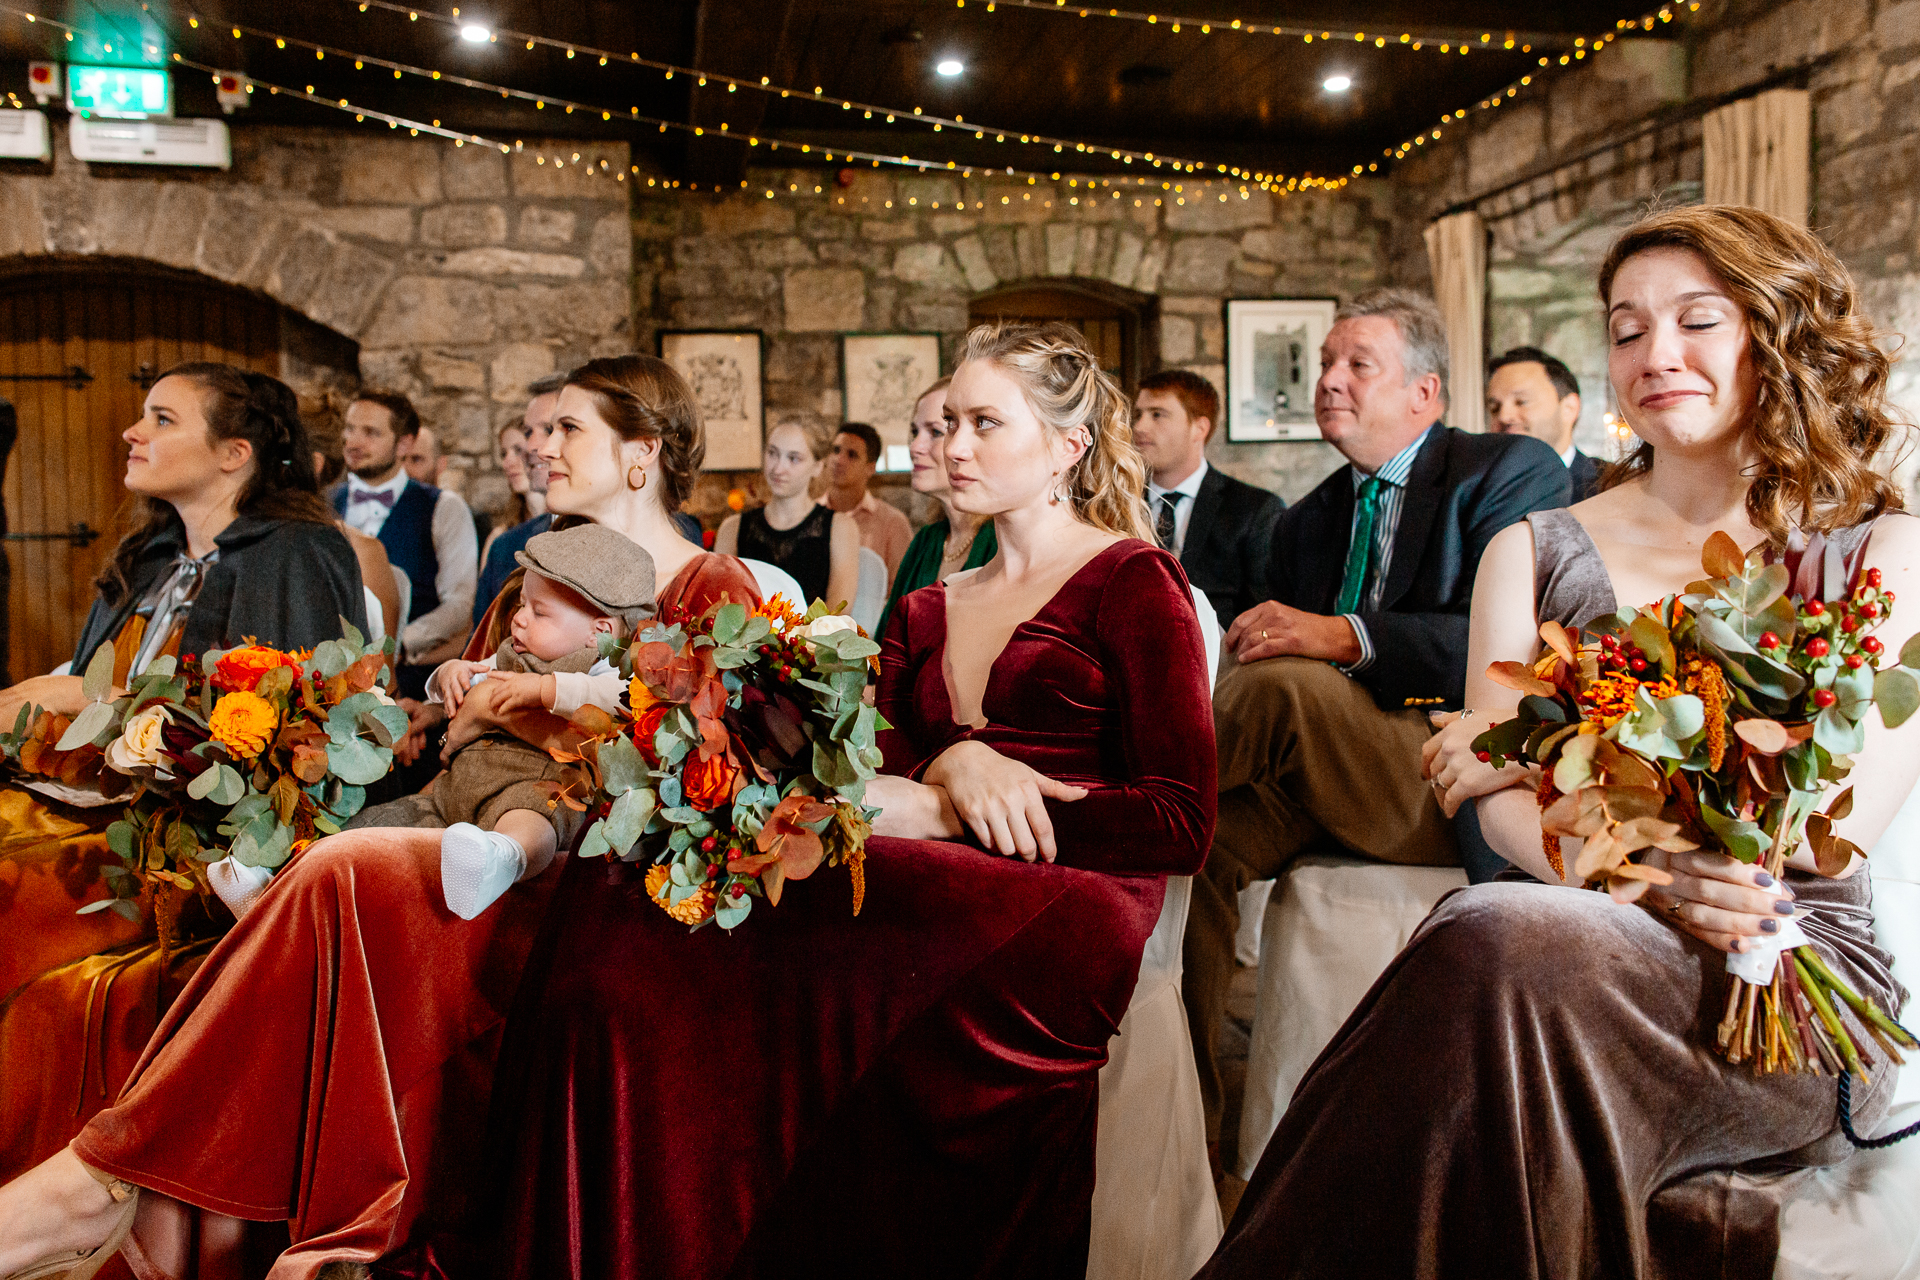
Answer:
(184, 142)
(24, 136)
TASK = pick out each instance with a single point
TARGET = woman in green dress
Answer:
(956, 540)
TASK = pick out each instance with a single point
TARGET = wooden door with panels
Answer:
(79, 348)
(1111, 319)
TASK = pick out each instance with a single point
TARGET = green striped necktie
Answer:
(1360, 549)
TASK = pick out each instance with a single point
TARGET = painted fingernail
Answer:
(1762, 879)
(1784, 907)
(1769, 926)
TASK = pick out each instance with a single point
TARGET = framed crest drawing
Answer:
(723, 367)
(1273, 362)
(883, 375)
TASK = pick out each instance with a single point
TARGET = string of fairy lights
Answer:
(1452, 42)
(1583, 46)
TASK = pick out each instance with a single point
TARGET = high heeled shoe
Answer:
(82, 1264)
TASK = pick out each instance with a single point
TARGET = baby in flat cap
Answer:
(581, 583)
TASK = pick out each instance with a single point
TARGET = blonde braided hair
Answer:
(1063, 384)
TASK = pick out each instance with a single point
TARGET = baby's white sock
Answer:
(236, 885)
(476, 867)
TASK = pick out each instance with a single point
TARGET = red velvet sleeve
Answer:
(707, 580)
(894, 696)
(1160, 821)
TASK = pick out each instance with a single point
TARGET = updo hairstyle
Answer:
(645, 398)
(1065, 387)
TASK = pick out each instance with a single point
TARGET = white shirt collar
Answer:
(1398, 468)
(1190, 487)
(1572, 452)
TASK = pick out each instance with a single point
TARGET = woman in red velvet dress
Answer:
(328, 1066)
(912, 1091)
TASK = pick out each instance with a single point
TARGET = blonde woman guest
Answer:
(957, 540)
(912, 1092)
(1531, 1088)
(819, 546)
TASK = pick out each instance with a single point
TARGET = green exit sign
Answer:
(119, 93)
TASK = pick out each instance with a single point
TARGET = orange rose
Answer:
(241, 669)
(243, 723)
(644, 727)
(693, 909)
(711, 782)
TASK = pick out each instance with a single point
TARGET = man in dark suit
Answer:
(1531, 393)
(1319, 726)
(1219, 527)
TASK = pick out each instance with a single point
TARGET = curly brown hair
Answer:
(1820, 418)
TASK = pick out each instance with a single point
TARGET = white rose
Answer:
(381, 694)
(827, 624)
(138, 746)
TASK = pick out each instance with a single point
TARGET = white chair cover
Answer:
(872, 596)
(1155, 1215)
(404, 585)
(773, 580)
(376, 624)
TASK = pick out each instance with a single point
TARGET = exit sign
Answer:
(119, 93)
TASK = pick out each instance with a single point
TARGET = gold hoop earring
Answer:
(643, 477)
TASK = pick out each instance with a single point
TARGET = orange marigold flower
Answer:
(243, 723)
(1609, 699)
(241, 669)
(695, 908)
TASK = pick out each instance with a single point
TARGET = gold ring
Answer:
(1263, 636)
(1673, 909)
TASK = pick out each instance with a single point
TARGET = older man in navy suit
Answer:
(1363, 633)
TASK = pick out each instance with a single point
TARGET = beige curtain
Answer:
(1457, 248)
(1755, 152)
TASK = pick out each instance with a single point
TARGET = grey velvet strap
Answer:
(1570, 580)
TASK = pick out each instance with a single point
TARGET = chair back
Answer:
(1209, 632)
(871, 598)
(775, 581)
(376, 624)
(403, 585)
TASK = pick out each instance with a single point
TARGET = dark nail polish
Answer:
(1762, 879)
(1784, 907)
(1769, 926)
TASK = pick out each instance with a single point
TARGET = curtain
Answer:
(1457, 248)
(1755, 152)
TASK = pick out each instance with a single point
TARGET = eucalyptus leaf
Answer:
(97, 683)
(1910, 651)
(627, 819)
(100, 904)
(126, 909)
(388, 724)
(1838, 734)
(270, 852)
(730, 659)
(728, 620)
(728, 912)
(594, 844)
(680, 814)
(203, 785)
(358, 761)
(1544, 710)
(120, 838)
(1897, 694)
(95, 719)
(755, 632)
(622, 767)
(352, 634)
(1737, 836)
(230, 786)
(331, 657)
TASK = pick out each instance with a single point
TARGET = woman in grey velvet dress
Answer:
(1531, 1087)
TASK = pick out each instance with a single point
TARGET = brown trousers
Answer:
(1308, 763)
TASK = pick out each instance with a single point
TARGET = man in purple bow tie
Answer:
(428, 532)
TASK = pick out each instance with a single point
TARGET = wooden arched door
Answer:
(1110, 318)
(78, 349)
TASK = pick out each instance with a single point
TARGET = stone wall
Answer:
(813, 260)
(1861, 61)
(461, 273)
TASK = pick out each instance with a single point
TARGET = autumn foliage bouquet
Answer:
(1719, 718)
(249, 753)
(740, 760)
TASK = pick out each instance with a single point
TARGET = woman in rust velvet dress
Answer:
(912, 1091)
(1531, 1089)
(329, 1066)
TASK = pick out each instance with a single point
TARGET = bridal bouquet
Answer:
(1719, 718)
(247, 753)
(740, 760)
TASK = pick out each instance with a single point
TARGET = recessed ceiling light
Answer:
(1337, 84)
(949, 66)
(474, 33)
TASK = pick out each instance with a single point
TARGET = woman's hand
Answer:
(421, 716)
(912, 810)
(61, 695)
(1002, 801)
(1720, 900)
(1447, 760)
(454, 679)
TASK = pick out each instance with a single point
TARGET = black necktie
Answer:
(1163, 525)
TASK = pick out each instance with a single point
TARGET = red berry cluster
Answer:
(1834, 632)
(1622, 655)
(788, 656)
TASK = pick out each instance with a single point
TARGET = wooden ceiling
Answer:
(1227, 97)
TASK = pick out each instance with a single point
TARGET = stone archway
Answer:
(1117, 322)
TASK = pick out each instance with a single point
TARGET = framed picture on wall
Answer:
(1273, 362)
(723, 367)
(883, 375)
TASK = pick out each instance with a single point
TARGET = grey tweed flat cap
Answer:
(611, 570)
